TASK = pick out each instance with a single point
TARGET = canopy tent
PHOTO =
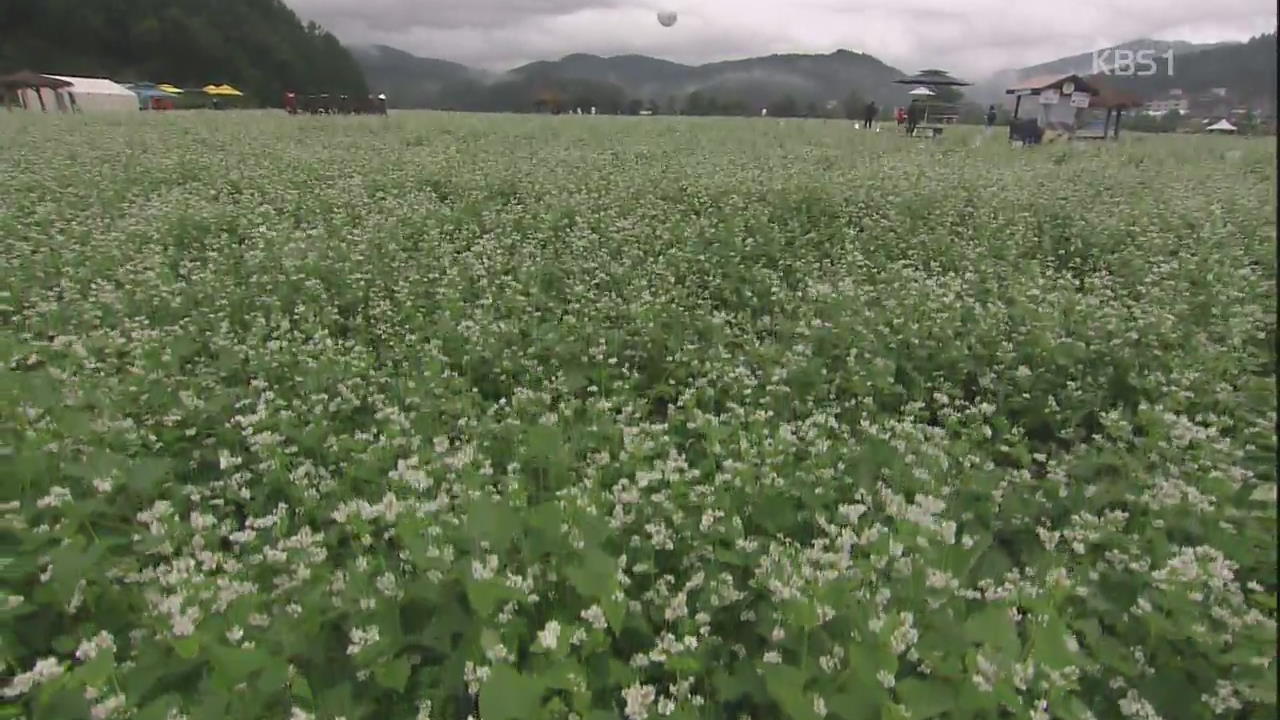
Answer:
(151, 97)
(927, 82)
(98, 94)
(170, 89)
(221, 91)
(1221, 126)
(933, 77)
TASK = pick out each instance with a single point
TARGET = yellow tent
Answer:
(166, 87)
(225, 90)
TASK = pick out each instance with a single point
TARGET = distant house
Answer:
(1174, 100)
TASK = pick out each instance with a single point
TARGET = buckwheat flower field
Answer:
(600, 418)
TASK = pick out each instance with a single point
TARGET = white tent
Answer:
(98, 94)
(1221, 126)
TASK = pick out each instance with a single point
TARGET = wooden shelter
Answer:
(927, 82)
(1063, 98)
(24, 86)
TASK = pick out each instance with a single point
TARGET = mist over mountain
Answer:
(800, 83)
(1241, 67)
(611, 83)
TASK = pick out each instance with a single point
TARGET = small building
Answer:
(1175, 100)
(1063, 103)
(32, 91)
(97, 94)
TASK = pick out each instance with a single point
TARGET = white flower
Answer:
(43, 671)
(595, 616)
(639, 698)
(57, 496)
(773, 657)
(89, 649)
(886, 679)
(362, 638)
(107, 708)
(549, 636)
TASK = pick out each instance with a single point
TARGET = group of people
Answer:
(910, 115)
(325, 104)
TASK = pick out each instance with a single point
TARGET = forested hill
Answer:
(259, 46)
(1247, 70)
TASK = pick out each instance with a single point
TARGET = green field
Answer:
(596, 418)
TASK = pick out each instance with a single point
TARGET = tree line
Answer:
(258, 46)
(550, 93)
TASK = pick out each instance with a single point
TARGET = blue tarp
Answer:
(146, 92)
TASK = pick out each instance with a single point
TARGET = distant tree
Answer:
(784, 107)
(949, 95)
(972, 114)
(259, 46)
(854, 105)
(695, 103)
(1170, 121)
(634, 106)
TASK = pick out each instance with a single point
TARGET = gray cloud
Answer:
(970, 37)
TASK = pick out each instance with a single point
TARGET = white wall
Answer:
(98, 102)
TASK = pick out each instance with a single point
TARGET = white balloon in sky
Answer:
(667, 18)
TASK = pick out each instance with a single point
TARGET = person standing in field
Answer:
(869, 114)
(991, 117)
(900, 116)
(913, 117)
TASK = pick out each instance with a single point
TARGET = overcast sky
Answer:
(969, 37)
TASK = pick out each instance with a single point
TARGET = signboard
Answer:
(1080, 100)
(1049, 97)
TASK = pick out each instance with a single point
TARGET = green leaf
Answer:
(731, 685)
(393, 674)
(1049, 646)
(213, 706)
(484, 595)
(559, 677)
(274, 677)
(994, 627)
(145, 474)
(233, 666)
(159, 708)
(95, 672)
(856, 705)
(785, 685)
(187, 647)
(508, 695)
(491, 522)
(596, 576)
(926, 698)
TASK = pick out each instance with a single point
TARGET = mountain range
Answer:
(806, 80)
(805, 84)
